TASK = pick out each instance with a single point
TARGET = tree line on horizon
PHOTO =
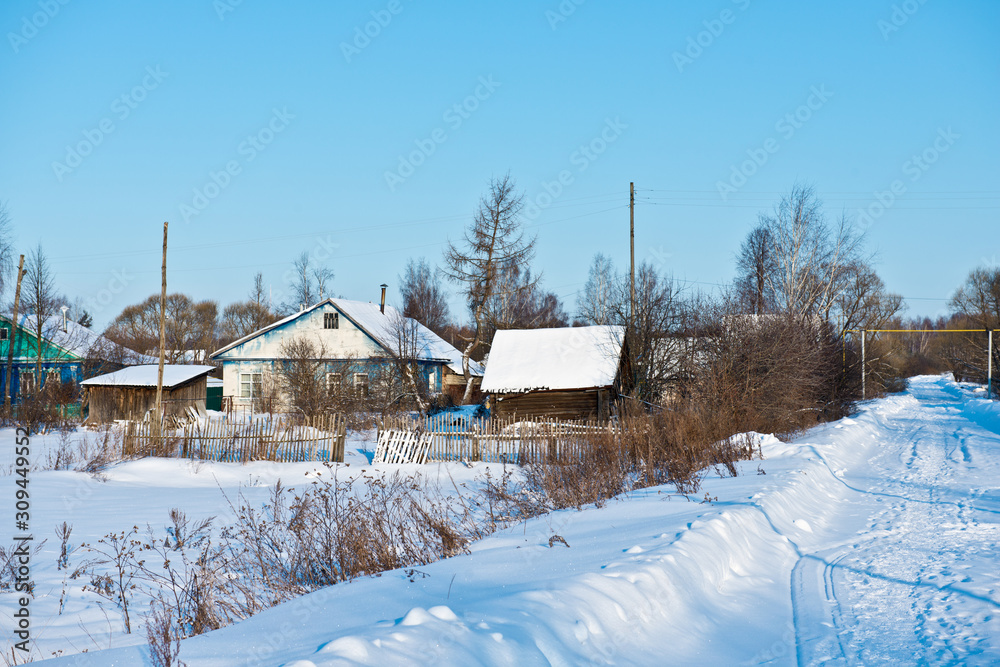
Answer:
(805, 286)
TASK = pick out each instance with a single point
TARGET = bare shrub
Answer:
(163, 636)
(119, 551)
(95, 456)
(9, 565)
(63, 532)
(340, 530)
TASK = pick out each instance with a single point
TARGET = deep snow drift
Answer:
(873, 540)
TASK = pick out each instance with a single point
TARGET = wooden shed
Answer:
(564, 373)
(130, 393)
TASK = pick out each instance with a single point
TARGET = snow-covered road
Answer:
(873, 540)
(920, 580)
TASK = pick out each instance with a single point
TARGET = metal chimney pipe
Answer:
(64, 309)
(382, 306)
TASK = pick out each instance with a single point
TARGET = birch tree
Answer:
(495, 239)
(809, 257)
(597, 301)
(40, 299)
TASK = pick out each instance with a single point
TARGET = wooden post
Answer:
(989, 369)
(631, 237)
(163, 333)
(12, 339)
(863, 337)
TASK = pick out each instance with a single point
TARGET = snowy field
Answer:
(872, 540)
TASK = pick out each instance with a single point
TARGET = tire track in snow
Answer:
(920, 585)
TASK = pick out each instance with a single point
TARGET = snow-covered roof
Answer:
(382, 329)
(79, 341)
(145, 376)
(542, 359)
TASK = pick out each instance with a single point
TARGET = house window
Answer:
(361, 384)
(432, 380)
(27, 382)
(4, 333)
(333, 383)
(331, 320)
(52, 376)
(251, 385)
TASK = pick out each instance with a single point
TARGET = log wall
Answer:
(108, 404)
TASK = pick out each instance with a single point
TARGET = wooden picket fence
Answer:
(241, 442)
(440, 438)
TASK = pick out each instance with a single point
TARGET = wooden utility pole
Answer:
(864, 393)
(12, 340)
(631, 241)
(163, 334)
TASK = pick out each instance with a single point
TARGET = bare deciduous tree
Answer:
(408, 346)
(190, 327)
(979, 297)
(495, 239)
(756, 267)
(519, 302)
(310, 283)
(863, 301)
(245, 317)
(40, 300)
(301, 376)
(423, 296)
(809, 257)
(597, 302)
(978, 302)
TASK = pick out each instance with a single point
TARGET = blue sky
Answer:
(262, 130)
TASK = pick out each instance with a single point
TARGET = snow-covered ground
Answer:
(873, 540)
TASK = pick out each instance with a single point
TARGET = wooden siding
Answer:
(568, 404)
(108, 404)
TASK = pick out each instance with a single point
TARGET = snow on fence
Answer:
(447, 438)
(257, 440)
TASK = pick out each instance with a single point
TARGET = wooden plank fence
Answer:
(496, 440)
(241, 442)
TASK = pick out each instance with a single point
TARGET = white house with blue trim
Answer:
(357, 338)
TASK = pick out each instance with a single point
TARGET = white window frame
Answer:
(331, 317)
(253, 381)
(333, 381)
(361, 387)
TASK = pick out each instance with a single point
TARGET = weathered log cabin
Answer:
(131, 392)
(564, 373)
